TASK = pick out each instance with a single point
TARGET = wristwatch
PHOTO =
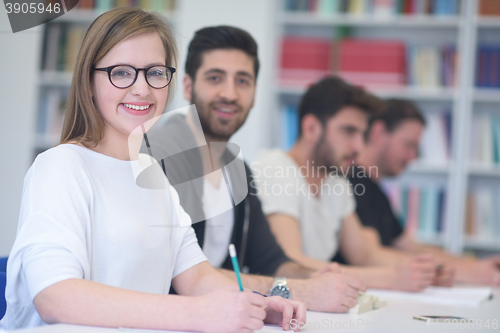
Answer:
(280, 288)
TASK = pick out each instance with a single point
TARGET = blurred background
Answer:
(443, 55)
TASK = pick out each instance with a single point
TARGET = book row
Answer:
(483, 213)
(51, 114)
(377, 8)
(488, 66)
(62, 43)
(105, 5)
(420, 209)
(369, 63)
(484, 147)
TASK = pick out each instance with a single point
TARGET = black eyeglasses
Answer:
(124, 76)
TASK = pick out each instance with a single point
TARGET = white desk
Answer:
(396, 317)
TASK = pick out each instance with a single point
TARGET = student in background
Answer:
(85, 251)
(221, 76)
(309, 203)
(392, 142)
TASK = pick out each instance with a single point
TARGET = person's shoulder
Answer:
(61, 153)
(61, 159)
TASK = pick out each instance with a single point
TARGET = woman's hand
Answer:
(230, 310)
(281, 311)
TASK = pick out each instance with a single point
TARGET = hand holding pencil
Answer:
(288, 314)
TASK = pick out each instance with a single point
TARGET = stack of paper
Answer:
(440, 295)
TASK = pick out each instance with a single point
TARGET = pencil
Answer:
(236, 267)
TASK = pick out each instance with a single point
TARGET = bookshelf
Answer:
(60, 44)
(459, 102)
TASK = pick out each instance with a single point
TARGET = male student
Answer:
(221, 72)
(309, 204)
(391, 143)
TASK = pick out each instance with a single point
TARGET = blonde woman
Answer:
(85, 251)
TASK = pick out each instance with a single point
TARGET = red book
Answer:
(304, 60)
(408, 7)
(372, 62)
(489, 7)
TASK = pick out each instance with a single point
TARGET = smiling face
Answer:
(343, 138)
(223, 92)
(125, 109)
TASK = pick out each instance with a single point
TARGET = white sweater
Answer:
(83, 216)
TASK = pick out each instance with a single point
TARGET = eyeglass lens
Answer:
(124, 76)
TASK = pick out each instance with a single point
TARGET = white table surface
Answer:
(397, 316)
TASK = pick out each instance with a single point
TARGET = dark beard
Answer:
(322, 156)
(208, 131)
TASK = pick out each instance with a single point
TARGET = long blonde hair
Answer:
(83, 123)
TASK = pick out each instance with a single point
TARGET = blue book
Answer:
(328, 6)
(433, 207)
(423, 214)
(290, 127)
(404, 207)
(104, 5)
(441, 210)
(290, 5)
(495, 123)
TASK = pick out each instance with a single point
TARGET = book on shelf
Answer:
(51, 45)
(51, 114)
(375, 8)
(290, 126)
(73, 42)
(489, 7)
(304, 60)
(62, 45)
(484, 147)
(368, 63)
(488, 66)
(435, 144)
(105, 5)
(483, 213)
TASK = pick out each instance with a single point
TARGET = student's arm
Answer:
(467, 269)
(82, 302)
(327, 292)
(359, 249)
(287, 233)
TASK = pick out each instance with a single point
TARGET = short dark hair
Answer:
(219, 37)
(397, 111)
(325, 98)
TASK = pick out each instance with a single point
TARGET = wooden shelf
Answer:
(416, 21)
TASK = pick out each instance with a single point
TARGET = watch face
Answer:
(280, 291)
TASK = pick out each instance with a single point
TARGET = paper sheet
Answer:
(460, 296)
